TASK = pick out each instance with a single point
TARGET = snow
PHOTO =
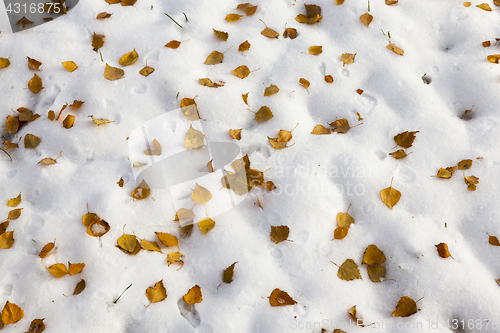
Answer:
(316, 178)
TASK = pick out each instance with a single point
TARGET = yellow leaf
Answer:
(146, 71)
(88, 218)
(31, 141)
(446, 173)
(128, 2)
(328, 78)
(233, 17)
(221, 34)
(280, 298)
(464, 164)
(51, 115)
(34, 64)
(339, 2)
(279, 234)
(347, 58)
(46, 249)
(129, 58)
(97, 41)
(467, 4)
(127, 242)
(15, 213)
(157, 293)
(390, 196)
(214, 58)
(395, 49)
(315, 50)
(304, 83)
(12, 124)
(344, 219)
(193, 296)
(100, 121)
(183, 214)
(399, 154)
(154, 150)
(373, 255)
(227, 275)
(484, 6)
(174, 257)
(79, 287)
(14, 201)
(376, 273)
(4, 226)
(349, 271)
(68, 121)
(245, 46)
(241, 71)
(250, 10)
(494, 58)
(263, 114)
(471, 182)
(11, 313)
(271, 90)
(208, 83)
(320, 130)
(269, 33)
(9, 145)
(36, 326)
(235, 134)
(103, 15)
(405, 139)
(201, 195)
(405, 307)
(486, 43)
(141, 192)
(70, 66)
(76, 104)
(313, 15)
(442, 249)
(173, 44)
(341, 126)
(194, 138)
(245, 98)
(58, 270)
(167, 239)
(97, 227)
(113, 73)
(4, 62)
(35, 84)
(120, 182)
(366, 18)
(243, 6)
(290, 33)
(391, 2)
(74, 269)
(206, 225)
(6, 240)
(340, 232)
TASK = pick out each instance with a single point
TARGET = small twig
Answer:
(185, 16)
(174, 20)
(122, 293)
(102, 60)
(7, 154)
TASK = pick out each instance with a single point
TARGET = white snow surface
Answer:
(316, 178)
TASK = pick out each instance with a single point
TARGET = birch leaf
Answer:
(14, 202)
(206, 225)
(113, 73)
(70, 66)
(129, 58)
(390, 196)
(35, 84)
(157, 293)
(280, 298)
(141, 192)
(194, 138)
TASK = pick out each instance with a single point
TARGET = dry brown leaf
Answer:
(141, 192)
(245, 98)
(12, 124)
(50, 161)
(328, 78)
(97, 227)
(167, 239)
(11, 313)
(58, 270)
(174, 257)
(304, 83)
(341, 126)
(214, 58)
(471, 182)
(233, 17)
(113, 73)
(36, 326)
(340, 232)
(349, 271)
(208, 83)
(15, 214)
(313, 14)
(347, 58)
(24, 21)
(103, 15)
(344, 219)
(97, 41)
(70, 66)
(6, 240)
(250, 10)
(34, 64)
(391, 2)
(290, 33)
(263, 114)
(321, 130)
(120, 182)
(390, 196)
(280, 298)
(9, 145)
(112, 2)
(366, 18)
(376, 273)
(467, 4)
(395, 49)
(76, 104)
(269, 33)
(373, 255)
(245, 46)
(146, 71)
(446, 173)
(276, 144)
(279, 234)
(154, 150)
(486, 43)
(227, 275)
(405, 139)
(405, 307)
(442, 249)
(494, 58)
(244, 6)
(46, 249)
(173, 44)
(206, 225)
(100, 121)
(157, 293)
(190, 109)
(194, 138)
(464, 164)
(74, 269)
(221, 34)
(129, 58)
(128, 2)
(68, 121)
(35, 84)
(484, 6)
(339, 2)
(493, 240)
(235, 134)
(315, 50)
(271, 90)
(31, 141)
(80, 286)
(129, 244)
(4, 226)
(4, 62)
(14, 202)
(399, 154)
(241, 71)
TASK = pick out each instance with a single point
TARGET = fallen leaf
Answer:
(328, 78)
(128, 2)
(339, 2)
(304, 83)
(244, 6)
(97, 41)
(103, 15)
(245, 46)
(271, 90)
(227, 275)
(70, 66)
(405, 139)
(263, 114)
(97, 227)
(376, 273)
(11, 313)
(12, 124)
(221, 34)
(206, 225)
(210, 166)
(399, 154)
(154, 150)
(129, 58)
(405, 307)
(280, 298)
(58, 270)
(146, 71)
(14, 202)
(174, 257)
(157, 293)
(484, 6)
(250, 10)
(193, 296)
(76, 104)
(467, 4)
(344, 219)
(359, 91)
(35, 84)
(194, 138)
(340, 232)
(442, 249)
(235, 134)
(34, 64)
(46, 249)
(4, 226)
(120, 182)
(6, 240)
(241, 71)
(446, 173)
(494, 58)
(173, 44)
(486, 43)
(269, 33)
(358, 321)
(233, 17)
(15, 213)
(471, 182)
(167, 239)
(373, 255)
(74, 269)
(279, 234)
(4, 62)
(341, 126)
(113, 73)
(290, 33)
(9, 145)
(245, 98)
(315, 50)
(24, 21)
(100, 121)
(320, 130)
(141, 192)
(129, 244)
(36, 326)
(391, 2)
(31, 141)
(347, 58)
(184, 214)
(390, 196)
(395, 49)
(208, 83)
(313, 15)
(80, 286)
(349, 271)
(366, 18)
(112, 2)
(493, 240)
(464, 164)
(276, 143)
(214, 58)
(68, 121)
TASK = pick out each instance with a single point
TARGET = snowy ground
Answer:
(316, 178)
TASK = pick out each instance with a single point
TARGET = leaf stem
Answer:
(174, 20)
(185, 16)
(7, 154)
(122, 293)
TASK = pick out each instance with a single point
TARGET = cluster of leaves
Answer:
(244, 178)
(7, 237)
(283, 137)
(340, 126)
(405, 140)
(447, 173)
